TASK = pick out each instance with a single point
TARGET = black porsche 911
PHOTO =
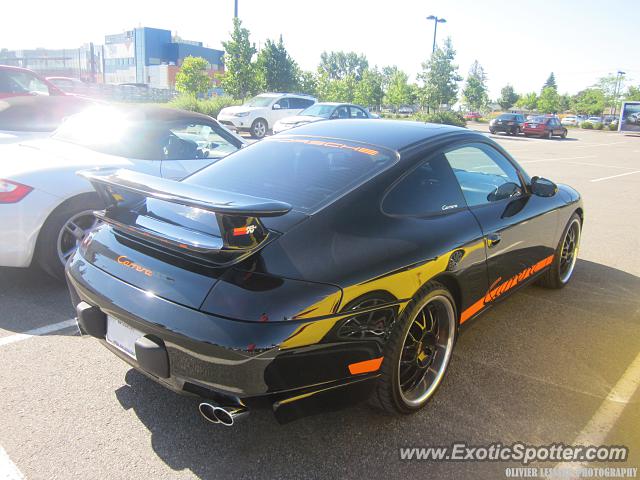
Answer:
(317, 268)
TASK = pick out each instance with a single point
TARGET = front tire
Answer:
(63, 232)
(417, 352)
(258, 128)
(561, 270)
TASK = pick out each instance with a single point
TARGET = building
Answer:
(84, 63)
(152, 56)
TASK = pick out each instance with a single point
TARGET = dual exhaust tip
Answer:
(226, 416)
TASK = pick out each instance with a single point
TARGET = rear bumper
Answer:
(535, 131)
(227, 360)
(505, 128)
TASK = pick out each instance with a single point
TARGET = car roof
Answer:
(391, 134)
(156, 113)
(17, 69)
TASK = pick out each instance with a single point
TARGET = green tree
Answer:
(399, 92)
(508, 97)
(440, 77)
(276, 70)
(307, 82)
(633, 94)
(549, 101)
(240, 78)
(551, 82)
(589, 102)
(387, 74)
(193, 77)
(338, 65)
(528, 101)
(474, 92)
(368, 91)
(565, 102)
(341, 90)
(608, 86)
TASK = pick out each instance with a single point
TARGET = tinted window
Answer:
(358, 113)
(307, 173)
(507, 116)
(341, 112)
(17, 81)
(429, 189)
(299, 103)
(483, 174)
(284, 103)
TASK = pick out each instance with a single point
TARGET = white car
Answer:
(261, 113)
(322, 111)
(570, 120)
(46, 209)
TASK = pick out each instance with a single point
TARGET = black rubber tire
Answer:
(46, 253)
(564, 134)
(551, 278)
(549, 135)
(492, 132)
(386, 396)
(253, 132)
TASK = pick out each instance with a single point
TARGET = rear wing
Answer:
(238, 216)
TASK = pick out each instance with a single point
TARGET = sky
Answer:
(516, 42)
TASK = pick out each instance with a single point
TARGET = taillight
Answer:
(12, 192)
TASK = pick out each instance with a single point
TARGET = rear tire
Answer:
(561, 270)
(63, 231)
(417, 352)
(564, 134)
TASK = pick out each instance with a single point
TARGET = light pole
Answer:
(619, 75)
(235, 9)
(436, 21)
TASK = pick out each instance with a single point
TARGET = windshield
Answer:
(260, 101)
(538, 119)
(112, 132)
(507, 116)
(316, 110)
(307, 173)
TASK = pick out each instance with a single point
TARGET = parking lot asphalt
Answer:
(537, 369)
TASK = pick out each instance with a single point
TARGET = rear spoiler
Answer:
(238, 215)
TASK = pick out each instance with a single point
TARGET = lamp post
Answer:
(619, 76)
(436, 21)
(235, 9)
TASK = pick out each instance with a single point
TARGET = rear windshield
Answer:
(539, 120)
(507, 116)
(308, 173)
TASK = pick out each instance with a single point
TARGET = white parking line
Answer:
(596, 431)
(8, 469)
(18, 337)
(614, 176)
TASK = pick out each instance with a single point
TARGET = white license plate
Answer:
(122, 336)
(534, 125)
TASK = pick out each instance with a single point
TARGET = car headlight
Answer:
(241, 114)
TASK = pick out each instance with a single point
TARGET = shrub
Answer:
(613, 127)
(597, 126)
(447, 118)
(587, 125)
(208, 106)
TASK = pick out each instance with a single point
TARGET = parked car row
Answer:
(540, 126)
(281, 111)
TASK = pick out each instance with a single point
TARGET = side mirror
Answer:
(543, 187)
(277, 106)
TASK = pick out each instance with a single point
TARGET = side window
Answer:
(299, 103)
(283, 102)
(430, 189)
(484, 175)
(341, 112)
(357, 112)
(194, 141)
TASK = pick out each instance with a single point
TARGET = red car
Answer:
(19, 82)
(544, 127)
(472, 116)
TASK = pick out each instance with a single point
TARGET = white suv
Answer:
(259, 114)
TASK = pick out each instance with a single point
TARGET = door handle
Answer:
(493, 239)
